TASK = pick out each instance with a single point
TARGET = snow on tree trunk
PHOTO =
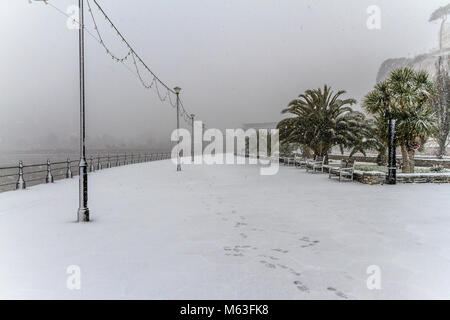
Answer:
(411, 163)
(405, 166)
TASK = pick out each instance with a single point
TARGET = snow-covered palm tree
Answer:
(322, 119)
(405, 96)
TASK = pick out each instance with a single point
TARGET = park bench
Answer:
(300, 160)
(315, 165)
(344, 170)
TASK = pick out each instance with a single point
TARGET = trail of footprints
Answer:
(270, 261)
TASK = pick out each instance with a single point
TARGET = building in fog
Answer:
(257, 126)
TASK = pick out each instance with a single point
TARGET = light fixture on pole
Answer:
(83, 210)
(177, 91)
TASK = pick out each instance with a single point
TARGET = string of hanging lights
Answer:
(159, 85)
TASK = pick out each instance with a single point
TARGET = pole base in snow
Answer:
(391, 178)
(83, 215)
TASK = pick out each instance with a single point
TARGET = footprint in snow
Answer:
(308, 242)
(238, 224)
(300, 286)
(280, 250)
(337, 292)
(268, 264)
(270, 257)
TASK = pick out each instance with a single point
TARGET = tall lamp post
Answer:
(392, 161)
(83, 210)
(192, 137)
(177, 91)
(203, 132)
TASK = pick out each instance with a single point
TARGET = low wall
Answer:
(377, 177)
(369, 177)
(423, 177)
(366, 177)
(420, 162)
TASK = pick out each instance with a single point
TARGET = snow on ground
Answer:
(225, 232)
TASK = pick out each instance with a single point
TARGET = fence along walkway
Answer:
(26, 175)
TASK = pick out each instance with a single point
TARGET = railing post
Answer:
(20, 181)
(92, 167)
(132, 158)
(68, 170)
(49, 177)
(108, 165)
(99, 164)
(117, 161)
(125, 161)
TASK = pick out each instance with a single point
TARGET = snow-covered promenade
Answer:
(225, 232)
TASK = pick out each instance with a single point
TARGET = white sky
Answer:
(237, 61)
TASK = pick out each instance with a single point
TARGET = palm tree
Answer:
(322, 119)
(413, 132)
(373, 138)
(405, 96)
(441, 13)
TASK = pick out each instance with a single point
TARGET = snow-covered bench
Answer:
(344, 170)
(300, 161)
(316, 164)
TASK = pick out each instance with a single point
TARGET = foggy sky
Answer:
(236, 61)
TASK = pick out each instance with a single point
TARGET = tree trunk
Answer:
(441, 32)
(442, 107)
(405, 166)
(326, 158)
(411, 163)
(442, 142)
(381, 157)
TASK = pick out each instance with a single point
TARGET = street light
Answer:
(392, 161)
(192, 137)
(203, 132)
(177, 91)
(83, 210)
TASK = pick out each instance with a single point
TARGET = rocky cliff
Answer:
(425, 62)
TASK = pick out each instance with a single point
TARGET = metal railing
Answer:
(25, 175)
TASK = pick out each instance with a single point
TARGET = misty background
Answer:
(236, 62)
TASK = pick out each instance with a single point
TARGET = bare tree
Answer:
(441, 13)
(441, 104)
